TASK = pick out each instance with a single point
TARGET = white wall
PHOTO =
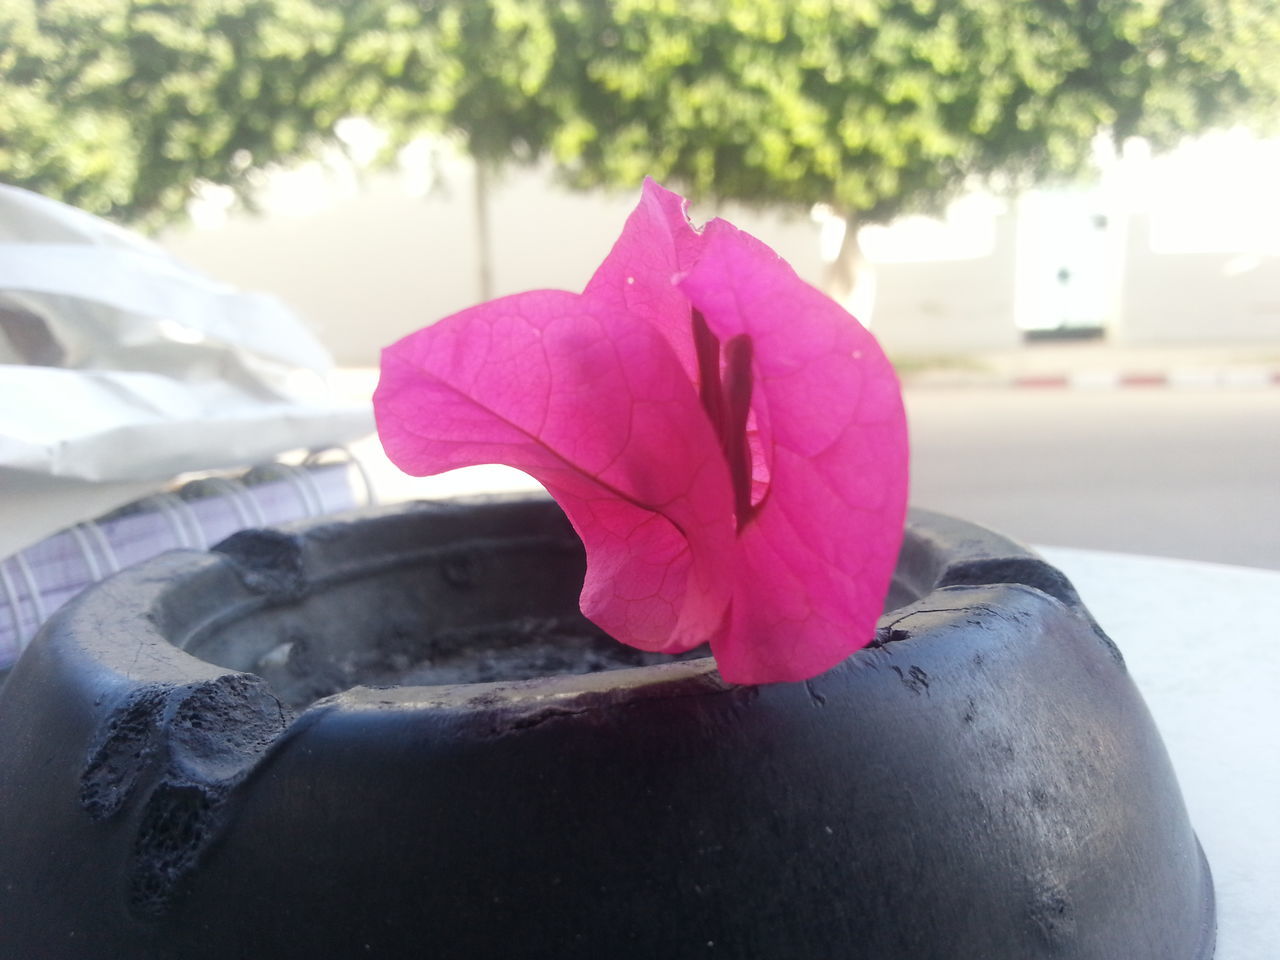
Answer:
(1182, 297)
(931, 307)
(368, 263)
(364, 266)
(367, 259)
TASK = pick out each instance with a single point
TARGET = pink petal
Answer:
(816, 558)
(596, 407)
(596, 396)
(658, 245)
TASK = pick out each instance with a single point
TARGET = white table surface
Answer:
(1202, 642)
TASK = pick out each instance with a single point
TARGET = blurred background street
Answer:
(1192, 473)
(1062, 222)
(1177, 473)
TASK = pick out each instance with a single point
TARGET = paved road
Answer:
(1166, 472)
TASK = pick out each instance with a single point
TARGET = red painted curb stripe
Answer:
(1095, 380)
(1040, 381)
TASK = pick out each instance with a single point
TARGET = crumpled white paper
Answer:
(120, 367)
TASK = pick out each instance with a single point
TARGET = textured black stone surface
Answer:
(231, 754)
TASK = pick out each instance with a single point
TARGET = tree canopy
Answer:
(878, 107)
(122, 106)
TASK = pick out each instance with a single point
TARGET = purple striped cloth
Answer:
(38, 580)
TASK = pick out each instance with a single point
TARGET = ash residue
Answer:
(520, 649)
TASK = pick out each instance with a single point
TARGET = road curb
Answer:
(1178, 379)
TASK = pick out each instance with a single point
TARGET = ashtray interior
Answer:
(473, 611)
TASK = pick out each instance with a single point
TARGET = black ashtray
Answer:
(393, 735)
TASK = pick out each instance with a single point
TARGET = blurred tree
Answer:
(877, 107)
(122, 106)
(885, 107)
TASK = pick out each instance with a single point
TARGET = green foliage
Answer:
(121, 106)
(876, 106)
(891, 106)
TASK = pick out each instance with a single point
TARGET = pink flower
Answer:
(728, 442)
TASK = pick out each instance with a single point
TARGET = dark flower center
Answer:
(726, 397)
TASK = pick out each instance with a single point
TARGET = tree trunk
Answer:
(850, 280)
(484, 244)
